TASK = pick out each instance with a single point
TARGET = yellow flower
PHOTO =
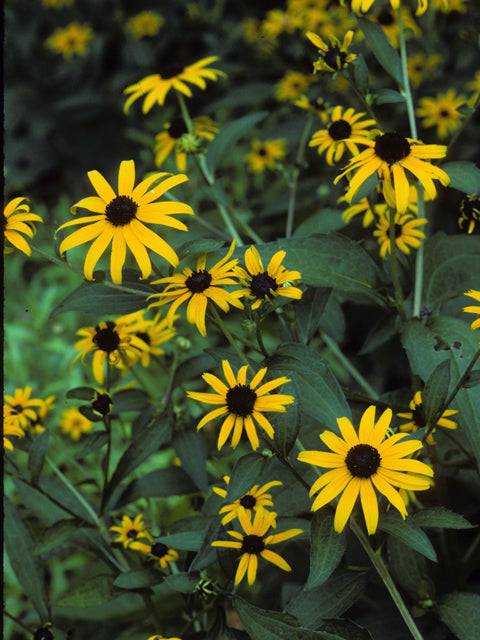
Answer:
(20, 407)
(275, 23)
(152, 332)
(389, 155)
(469, 213)
(18, 219)
(474, 85)
(447, 6)
(264, 284)
(145, 24)
(421, 66)
(417, 420)
(346, 130)
(475, 309)
(10, 427)
(57, 4)
(200, 286)
(69, 41)
(442, 112)
(254, 542)
(157, 637)
(362, 6)
(156, 87)
(387, 19)
(243, 403)
(111, 342)
(130, 530)
(254, 499)
(266, 154)
(407, 233)
(157, 552)
(170, 139)
(37, 426)
(318, 106)
(374, 212)
(291, 86)
(334, 56)
(75, 424)
(119, 219)
(363, 462)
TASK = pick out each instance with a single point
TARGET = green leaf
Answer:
(346, 629)
(287, 424)
(91, 592)
(261, 624)
(245, 474)
(36, 455)
(360, 74)
(436, 390)
(185, 540)
(439, 517)
(366, 188)
(92, 443)
(19, 545)
(191, 449)
(388, 96)
(380, 333)
(138, 579)
(410, 570)
(321, 397)
(228, 136)
(464, 176)
(326, 549)
(181, 582)
(309, 312)
(206, 554)
(386, 55)
(161, 483)
(460, 611)
(53, 536)
(81, 393)
(408, 533)
(324, 221)
(192, 368)
(193, 248)
(472, 380)
(130, 400)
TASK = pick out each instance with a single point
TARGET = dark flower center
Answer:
(253, 544)
(262, 152)
(398, 230)
(198, 281)
(392, 147)
(444, 113)
(339, 130)
(419, 416)
(262, 284)
(102, 404)
(170, 71)
(362, 460)
(241, 400)
(106, 339)
(121, 211)
(248, 501)
(132, 533)
(159, 550)
(17, 408)
(470, 207)
(144, 336)
(177, 128)
(385, 18)
(335, 58)
(43, 634)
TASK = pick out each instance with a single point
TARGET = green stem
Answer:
(18, 622)
(294, 182)
(394, 267)
(185, 113)
(260, 338)
(72, 490)
(228, 335)
(108, 428)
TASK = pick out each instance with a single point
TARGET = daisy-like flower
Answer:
(318, 106)
(275, 23)
(10, 428)
(156, 551)
(363, 462)
(75, 424)
(447, 6)
(266, 154)
(119, 218)
(346, 130)
(475, 309)
(362, 6)
(243, 403)
(387, 19)
(152, 332)
(264, 284)
(254, 499)
(254, 542)
(334, 55)
(421, 66)
(70, 41)
(145, 24)
(157, 637)
(156, 87)
(442, 112)
(130, 530)
(171, 139)
(407, 233)
(474, 87)
(22, 407)
(37, 426)
(291, 86)
(416, 418)
(17, 220)
(200, 286)
(373, 212)
(469, 216)
(390, 154)
(110, 342)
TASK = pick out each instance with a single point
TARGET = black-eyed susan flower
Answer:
(112, 343)
(37, 426)
(172, 139)
(156, 552)
(243, 403)
(390, 154)
(70, 41)
(416, 418)
(157, 637)
(334, 55)
(442, 112)
(469, 217)
(407, 232)
(22, 407)
(18, 220)
(253, 542)
(275, 23)
(447, 6)
(101, 404)
(421, 66)
(11, 428)
(345, 130)
(177, 77)
(254, 499)
(362, 6)
(373, 211)
(130, 530)
(121, 219)
(475, 309)
(362, 462)
(75, 424)
(145, 24)
(199, 287)
(291, 86)
(387, 18)
(153, 332)
(266, 154)
(264, 284)
(317, 106)
(474, 87)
